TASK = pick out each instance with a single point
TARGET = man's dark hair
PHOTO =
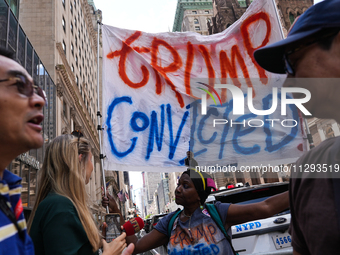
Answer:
(326, 43)
(7, 53)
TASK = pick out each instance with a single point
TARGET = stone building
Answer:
(173, 180)
(289, 10)
(64, 34)
(226, 12)
(150, 182)
(193, 15)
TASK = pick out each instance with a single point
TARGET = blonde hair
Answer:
(63, 174)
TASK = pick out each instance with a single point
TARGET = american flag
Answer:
(120, 196)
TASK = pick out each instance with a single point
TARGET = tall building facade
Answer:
(14, 38)
(150, 185)
(151, 181)
(64, 34)
(173, 181)
(226, 12)
(193, 15)
(289, 10)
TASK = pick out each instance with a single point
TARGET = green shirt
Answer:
(57, 230)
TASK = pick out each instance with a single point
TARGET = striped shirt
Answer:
(10, 241)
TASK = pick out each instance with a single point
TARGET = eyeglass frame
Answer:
(288, 65)
(35, 89)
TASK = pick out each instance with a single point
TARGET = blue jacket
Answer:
(10, 241)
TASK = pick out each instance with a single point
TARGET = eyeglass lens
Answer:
(25, 87)
(288, 67)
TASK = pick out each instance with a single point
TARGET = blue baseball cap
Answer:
(323, 15)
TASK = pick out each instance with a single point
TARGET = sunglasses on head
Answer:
(25, 86)
(77, 133)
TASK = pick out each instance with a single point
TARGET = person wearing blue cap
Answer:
(312, 50)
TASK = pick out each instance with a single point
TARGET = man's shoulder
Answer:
(319, 153)
(11, 178)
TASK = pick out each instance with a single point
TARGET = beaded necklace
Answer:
(189, 229)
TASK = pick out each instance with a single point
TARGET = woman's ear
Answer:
(80, 156)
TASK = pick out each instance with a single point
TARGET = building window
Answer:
(75, 22)
(194, 12)
(63, 24)
(72, 68)
(71, 7)
(75, 4)
(291, 18)
(63, 1)
(206, 12)
(197, 28)
(80, 70)
(76, 60)
(195, 21)
(72, 50)
(77, 80)
(76, 40)
(64, 47)
(64, 109)
(71, 28)
(328, 131)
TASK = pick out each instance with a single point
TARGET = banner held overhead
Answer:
(165, 94)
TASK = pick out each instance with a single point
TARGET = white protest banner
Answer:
(152, 91)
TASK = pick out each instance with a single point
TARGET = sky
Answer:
(152, 16)
(145, 15)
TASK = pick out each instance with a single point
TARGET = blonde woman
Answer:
(61, 222)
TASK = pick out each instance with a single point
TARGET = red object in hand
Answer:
(133, 226)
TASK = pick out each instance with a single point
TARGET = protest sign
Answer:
(152, 91)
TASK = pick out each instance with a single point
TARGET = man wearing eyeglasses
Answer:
(21, 105)
(310, 55)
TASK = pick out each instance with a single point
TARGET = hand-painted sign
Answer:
(152, 90)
